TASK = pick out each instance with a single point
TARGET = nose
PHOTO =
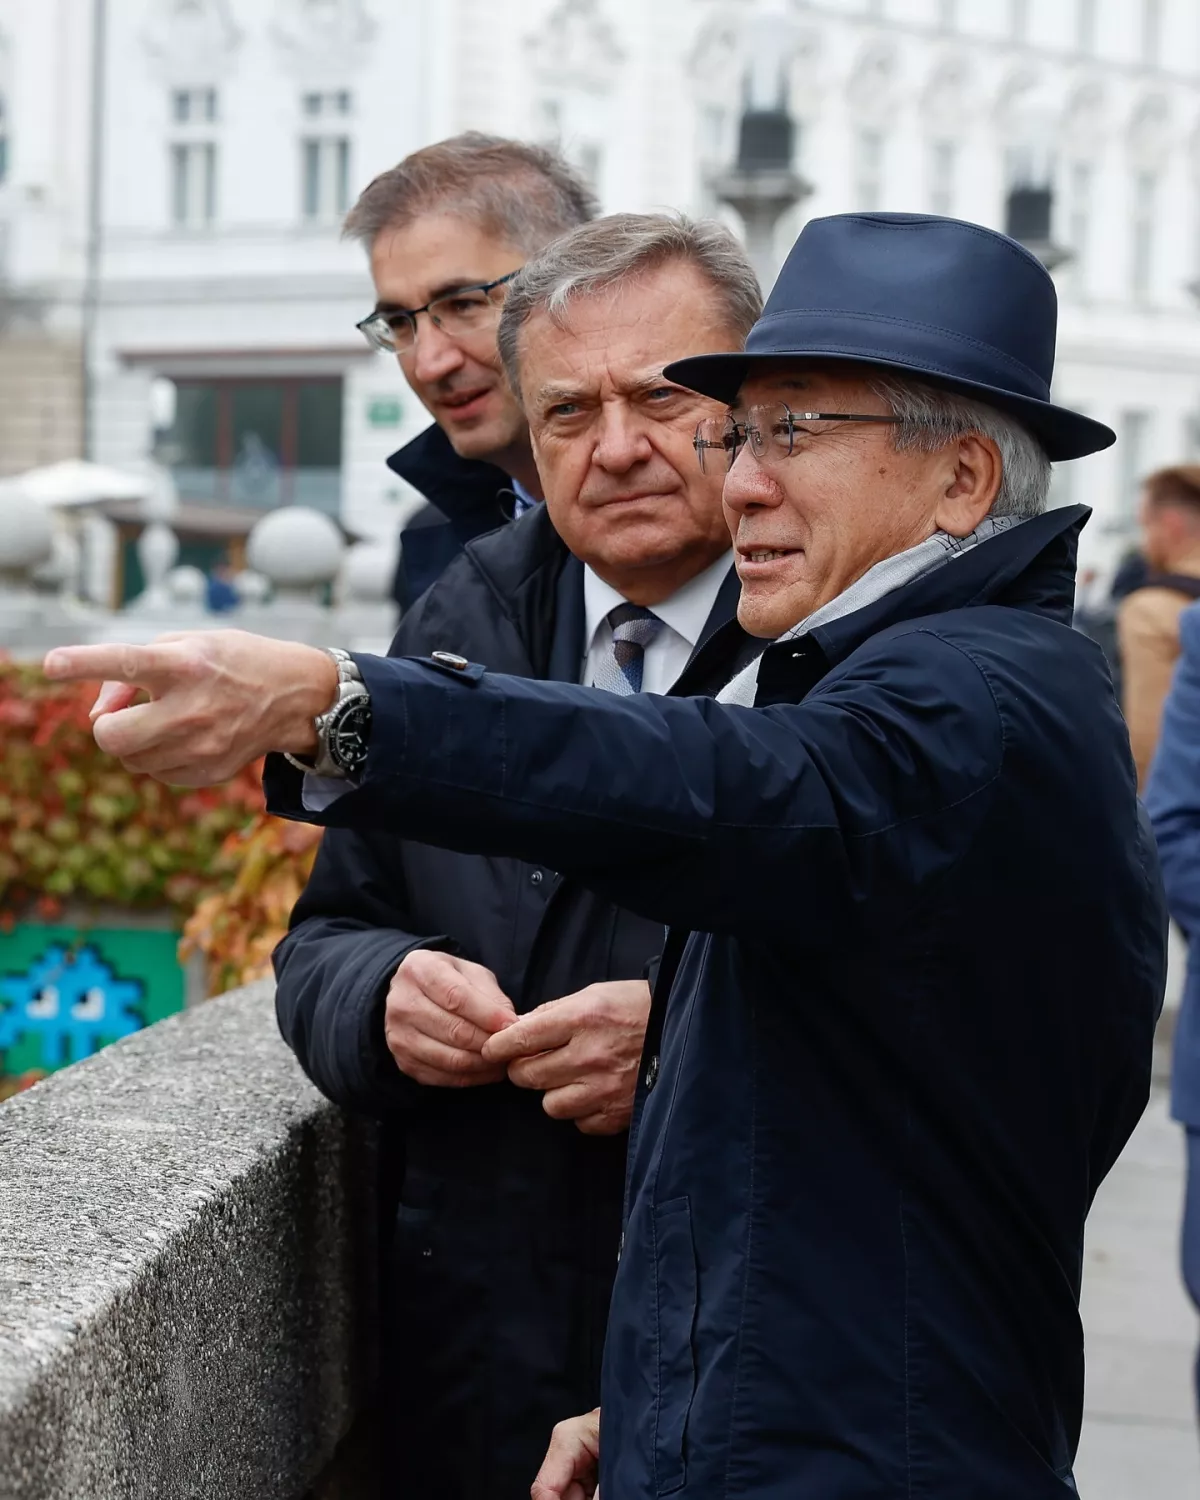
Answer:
(434, 356)
(748, 486)
(622, 440)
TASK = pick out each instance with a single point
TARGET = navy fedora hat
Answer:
(952, 303)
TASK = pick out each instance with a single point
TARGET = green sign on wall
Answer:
(65, 992)
(384, 411)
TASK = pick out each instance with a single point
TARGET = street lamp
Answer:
(762, 185)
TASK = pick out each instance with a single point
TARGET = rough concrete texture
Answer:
(185, 1269)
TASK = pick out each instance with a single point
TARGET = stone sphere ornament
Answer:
(187, 587)
(296, 548)
(251, 587)
(367, 573)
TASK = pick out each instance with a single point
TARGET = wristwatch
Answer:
(344, 729)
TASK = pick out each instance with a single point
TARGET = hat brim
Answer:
(1064, 434)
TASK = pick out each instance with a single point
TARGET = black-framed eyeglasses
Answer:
(774, 432)
(459, 314)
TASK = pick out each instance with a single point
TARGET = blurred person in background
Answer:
(1148, 614)
(402, 960)
(446, 230)
(220, 593)
(1173, 802)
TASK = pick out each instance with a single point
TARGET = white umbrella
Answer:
(77, 482)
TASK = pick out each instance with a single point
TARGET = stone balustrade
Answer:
(306, 583)
(187, 1271)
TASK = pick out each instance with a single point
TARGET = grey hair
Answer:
(931, 417)
(525, 195)
(616, 249)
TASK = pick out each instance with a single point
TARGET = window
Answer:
(193, 184)
(326, 186)
(1133, 431)
(1085, 25)
(868, 170)
(258, 443)
(943, 161)
(1152, 18)
(193, 106)
(327, 106)
(1080, 219)
(325, 157)
(1018, 19)
(192, 158)
(1145, 199)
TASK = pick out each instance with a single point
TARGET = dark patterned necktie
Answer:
(633, 628)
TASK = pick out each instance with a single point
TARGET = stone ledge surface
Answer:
(186, 1268)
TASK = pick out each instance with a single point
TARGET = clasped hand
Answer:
(448, 1024)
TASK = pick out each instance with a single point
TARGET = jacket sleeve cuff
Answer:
(392, 747)
(378, 1086)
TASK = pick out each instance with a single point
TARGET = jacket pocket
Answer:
(675, 1320)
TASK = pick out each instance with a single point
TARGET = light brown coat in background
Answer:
(1148, 631)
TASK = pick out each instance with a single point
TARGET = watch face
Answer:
(350, 733)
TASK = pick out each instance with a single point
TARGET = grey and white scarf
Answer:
(890, 574)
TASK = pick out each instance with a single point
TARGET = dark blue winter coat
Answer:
(1173, 802)
(466, 498)
(901, 1031)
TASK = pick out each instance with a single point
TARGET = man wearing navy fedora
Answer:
(902, 1025)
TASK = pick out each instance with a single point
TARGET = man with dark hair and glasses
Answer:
(446, 231)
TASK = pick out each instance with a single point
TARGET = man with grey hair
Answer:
(902, 1025)
(446, 229)
(401, 960)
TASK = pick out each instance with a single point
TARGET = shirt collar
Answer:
(686, 612)
(525, 501)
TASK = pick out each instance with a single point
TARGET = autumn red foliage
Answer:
(76, 827)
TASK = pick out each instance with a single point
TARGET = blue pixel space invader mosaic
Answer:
(70, 1001)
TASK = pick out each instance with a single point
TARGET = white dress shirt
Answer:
(684, 616)
(524, 500)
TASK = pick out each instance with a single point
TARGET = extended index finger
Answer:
(146, 666)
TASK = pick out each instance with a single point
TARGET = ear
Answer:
(973, 487)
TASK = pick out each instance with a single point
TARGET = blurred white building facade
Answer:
(231, 135)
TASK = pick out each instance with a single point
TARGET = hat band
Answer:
(835, 333)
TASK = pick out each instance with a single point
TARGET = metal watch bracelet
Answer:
(350, 685)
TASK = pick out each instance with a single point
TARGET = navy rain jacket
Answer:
(901, 1031)
(466, 498)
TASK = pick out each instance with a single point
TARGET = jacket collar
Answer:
(1031, 567)
(471, 494)
(532, 575)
